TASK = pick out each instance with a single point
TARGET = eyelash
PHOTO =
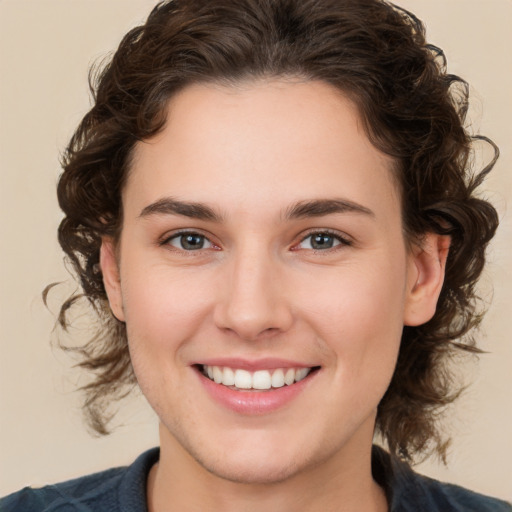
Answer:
(343, 241)
(166, 241)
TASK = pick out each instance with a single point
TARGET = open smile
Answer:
(254, 391)
(240, 379)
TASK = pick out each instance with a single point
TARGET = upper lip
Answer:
(267, 363)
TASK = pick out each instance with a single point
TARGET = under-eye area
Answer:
(260, 380)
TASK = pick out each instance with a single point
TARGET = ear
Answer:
(111, 278)
(426, 277)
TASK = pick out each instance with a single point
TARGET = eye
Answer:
(189, 242)
(321, 240)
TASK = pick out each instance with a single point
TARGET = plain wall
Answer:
(46, 47)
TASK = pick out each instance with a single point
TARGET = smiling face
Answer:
(262, 247)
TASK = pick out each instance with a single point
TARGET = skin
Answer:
(258, 289)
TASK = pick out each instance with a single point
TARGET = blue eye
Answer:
(321, 241)
(189, 242)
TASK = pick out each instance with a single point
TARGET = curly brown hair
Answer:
(377, 55)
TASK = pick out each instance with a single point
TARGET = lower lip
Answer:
(254, 403)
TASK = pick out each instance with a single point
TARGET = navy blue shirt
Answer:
(124, 490)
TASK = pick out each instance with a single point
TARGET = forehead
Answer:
(259, 144)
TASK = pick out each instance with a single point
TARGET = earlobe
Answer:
(426, 278)
(111, 279)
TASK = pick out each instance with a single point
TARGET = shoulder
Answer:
(113, 490)
(99, 487)
(411, 492)
(440, 496)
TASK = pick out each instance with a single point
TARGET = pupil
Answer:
(322, 241)
(192, 242)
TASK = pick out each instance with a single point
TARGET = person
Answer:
(271, 208)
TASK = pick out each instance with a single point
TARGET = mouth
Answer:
(260, 380)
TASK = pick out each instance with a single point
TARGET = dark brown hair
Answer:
(413, 110)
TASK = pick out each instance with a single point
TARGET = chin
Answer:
(251, 472)
(256, 460)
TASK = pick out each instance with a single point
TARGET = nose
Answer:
(253, 301)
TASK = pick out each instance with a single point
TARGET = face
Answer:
(264, 278)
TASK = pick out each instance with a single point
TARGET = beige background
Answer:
(46, 47)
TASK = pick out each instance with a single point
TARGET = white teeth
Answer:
(228, 378)
(289, 377)
(217, 374)
(278, 378)
(243, 379)
(301, 374)
(260, 379)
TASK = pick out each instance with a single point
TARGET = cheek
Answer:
(359, 315)
(368, 294)
(156, 297)
(163, 310)
(163, 313)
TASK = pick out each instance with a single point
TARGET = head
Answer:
(411, 112)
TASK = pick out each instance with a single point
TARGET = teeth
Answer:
(301, 373)
(217, 374)
(261, 379)
(243, 379)
(289, 376)
(228, 377)
(278, 378)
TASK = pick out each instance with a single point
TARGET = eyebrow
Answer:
(320, 207)
(171, 206)
(299, 210)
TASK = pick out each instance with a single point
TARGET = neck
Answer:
(342, 484)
